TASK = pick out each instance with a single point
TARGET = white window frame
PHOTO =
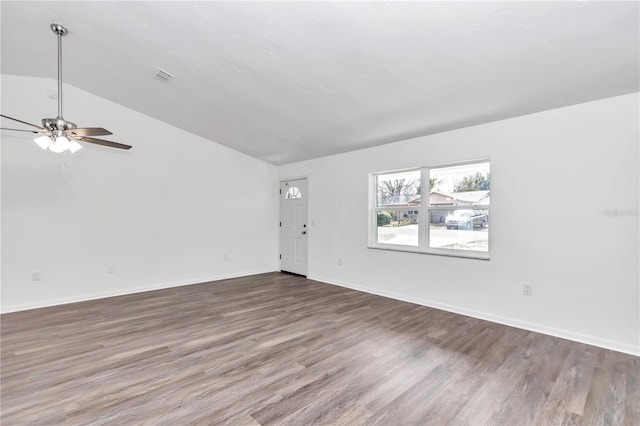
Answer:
(424, 213)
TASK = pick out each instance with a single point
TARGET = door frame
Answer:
(280, 181)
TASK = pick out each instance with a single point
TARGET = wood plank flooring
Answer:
(280, 349)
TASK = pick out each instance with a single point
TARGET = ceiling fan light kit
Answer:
(58, 134)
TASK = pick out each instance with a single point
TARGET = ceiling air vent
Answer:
(162, 75)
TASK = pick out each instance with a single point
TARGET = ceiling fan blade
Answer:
(89, 131)
(23, 130)
(23, 122)
(103, 142)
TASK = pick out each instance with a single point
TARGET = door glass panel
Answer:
(293, 192)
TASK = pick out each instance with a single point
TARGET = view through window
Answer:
(450, 217)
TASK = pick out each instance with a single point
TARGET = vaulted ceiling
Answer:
(288, 81)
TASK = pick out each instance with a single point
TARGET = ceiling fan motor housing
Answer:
(57, 124)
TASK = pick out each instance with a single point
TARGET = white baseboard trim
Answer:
(556, 332)
(125, 291)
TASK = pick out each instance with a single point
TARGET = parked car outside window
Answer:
(466, 219)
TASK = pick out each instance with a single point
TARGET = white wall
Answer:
(164, 213)
(554, 176)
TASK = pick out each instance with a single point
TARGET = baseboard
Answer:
(556, 332)
(125, 291)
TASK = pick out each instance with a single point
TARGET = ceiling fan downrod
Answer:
(60, 31)
(58, 125)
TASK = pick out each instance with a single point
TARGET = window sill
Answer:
(465, 254)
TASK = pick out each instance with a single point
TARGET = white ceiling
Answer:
(288, 81)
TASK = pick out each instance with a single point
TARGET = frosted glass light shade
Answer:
(43, 141)
(56, 147)
(62, 143)
(74, 145)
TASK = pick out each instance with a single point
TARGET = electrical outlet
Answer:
(527, 289)
(111, 269)
(36, 276)
(340, 261)
(226, 257)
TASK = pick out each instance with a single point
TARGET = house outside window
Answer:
(453, 219)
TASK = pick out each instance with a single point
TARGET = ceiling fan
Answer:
(58, 134)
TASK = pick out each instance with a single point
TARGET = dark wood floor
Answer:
(280, 349)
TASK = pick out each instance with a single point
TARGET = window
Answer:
(451, 218)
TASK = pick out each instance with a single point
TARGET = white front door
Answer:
(293, 226)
